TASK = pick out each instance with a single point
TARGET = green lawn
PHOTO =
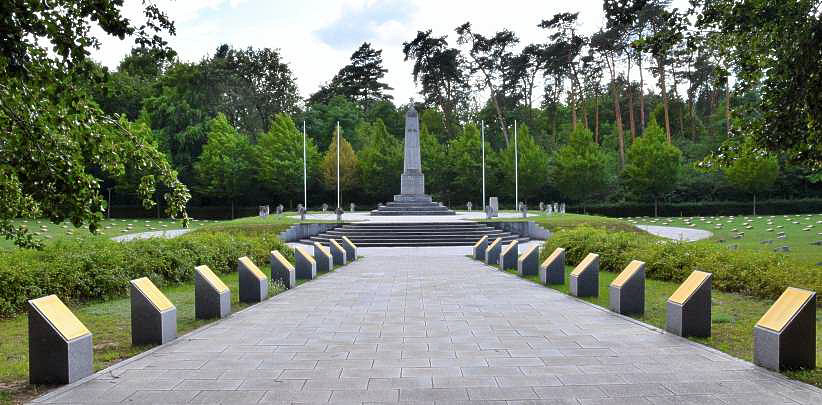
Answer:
(800, 232)
(733, 317)
(559, 222)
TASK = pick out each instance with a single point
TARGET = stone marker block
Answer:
(689, 308)
(479, 248)
(306, 266)
(282, 270)
(350, 249)
(626, 293)
(212, 298)
(584, 280)
(785, 337)
(493, 204)
(492, 252)
(323, 257)
(528, 262)
(552, 270)
(508, 256)
(337, 252)
(153, 316)
(253, 282)
(60, 350)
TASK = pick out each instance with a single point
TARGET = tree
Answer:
(440, 71)
(653, 165)
(348, 166)
(380, 161)
(279, 159)
(752, 171)
(579, 170)
(532, 165)
(321, 119)
(774, 45)
(359, 81)
(57, 143)
(563, 34)
(435, 165)
(224, 167)
(491, 57)
(464, 156)
(610, 44)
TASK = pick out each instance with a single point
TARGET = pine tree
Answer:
(348, 166)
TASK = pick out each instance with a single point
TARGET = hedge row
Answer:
(98, 268)
(706, 208)
(759, 274)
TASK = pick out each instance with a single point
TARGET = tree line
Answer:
(657, 104)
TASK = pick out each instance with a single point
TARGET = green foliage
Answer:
(757, 274)
(279, 158)
(464, 157)
(434, 164)
(653, 164)
(380, 161)
(347, 166)
(753, 171)
(321, 120)
(579, 170)
(532, 165)
(224, 167)
(98, 268)
(359, 81)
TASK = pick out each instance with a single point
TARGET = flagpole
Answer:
(516, 169)
(305, 172)
(482, 134)
(338, 165)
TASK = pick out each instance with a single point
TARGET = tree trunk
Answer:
(656, 207)
(664, 86)
(232, 209)
(631, 112)
(596, 117)
(728, 108)
(641, 95)
(754, 205)
(692, 114)
(572, 102)
(618, 115)
(500, 118)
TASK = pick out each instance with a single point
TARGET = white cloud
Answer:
(317, 37)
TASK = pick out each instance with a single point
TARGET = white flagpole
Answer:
(482, 135)
(305, 173)
(338, 165)
(516, 169)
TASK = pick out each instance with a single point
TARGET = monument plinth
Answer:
(412, 199)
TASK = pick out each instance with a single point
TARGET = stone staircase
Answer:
(375, 234)
(412, 208)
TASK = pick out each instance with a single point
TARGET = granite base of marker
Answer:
(629, 298)
(252, 288)
(282, 270)
(492, 254)
(305, 266)
(53, 360)
(586, 282)
(552, 270)
(350, 249)
(209, 304)
(508, 257)
(528, 263)
(479, 248)
(337, 253)
(691, 319)
(148, 325)
(792, 348)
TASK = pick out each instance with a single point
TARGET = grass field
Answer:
(558, 222)
(733, 317)
(757, 232)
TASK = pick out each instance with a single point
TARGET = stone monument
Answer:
(412, 199)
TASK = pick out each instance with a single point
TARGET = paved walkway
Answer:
(676, 233)
(168, 234)
(431, 329)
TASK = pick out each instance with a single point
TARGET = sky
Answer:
(317, 37)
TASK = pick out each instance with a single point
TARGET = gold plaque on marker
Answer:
(482, 239)
(304, 254)
(252, 268)
(554, 255)
(510, 246)
(626, 274)
(689, 286)
(784, 309)
(321, 248)
(279, 257)
(584, 264)
(496, 241)
(212, 278)
(60, 317)
(345, 238)
(150, 291)
(335, 244)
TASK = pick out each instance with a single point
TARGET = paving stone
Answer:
(428, 329)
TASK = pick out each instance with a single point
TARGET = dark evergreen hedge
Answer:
(707, 208)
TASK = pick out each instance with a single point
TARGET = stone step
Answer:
(399, 213)
(409, 243)
(413, 237)
(415, 234)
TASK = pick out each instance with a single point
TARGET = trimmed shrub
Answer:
(98, 268)
(759, 274)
